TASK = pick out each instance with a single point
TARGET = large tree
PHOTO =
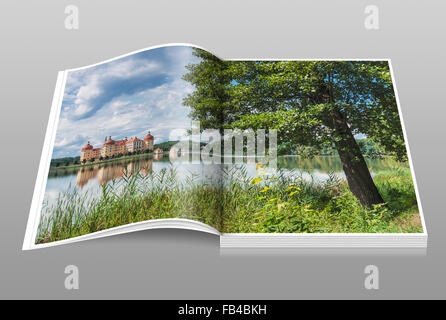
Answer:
(211, 101)
(310, 103)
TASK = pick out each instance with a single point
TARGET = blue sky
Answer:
(125, 97)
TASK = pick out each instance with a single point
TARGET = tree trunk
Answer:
(355, 168)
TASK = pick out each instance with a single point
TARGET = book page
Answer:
(123, 150)
(258, 146)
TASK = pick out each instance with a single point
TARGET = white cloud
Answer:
(102, 102)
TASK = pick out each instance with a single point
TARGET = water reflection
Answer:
(158, 156)
(105, 173)
(88, 179)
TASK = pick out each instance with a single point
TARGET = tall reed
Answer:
(234, 202)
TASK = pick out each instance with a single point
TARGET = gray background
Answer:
(182, 264)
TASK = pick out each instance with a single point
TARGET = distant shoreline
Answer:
(151, 154)
(82, 165)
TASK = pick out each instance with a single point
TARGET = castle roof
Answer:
(88, 146)
(134, 140)
(148, 137)
(120, 142)
(109, 142)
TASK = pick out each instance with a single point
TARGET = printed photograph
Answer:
(244, 146)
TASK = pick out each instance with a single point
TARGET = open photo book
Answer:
(260, 152)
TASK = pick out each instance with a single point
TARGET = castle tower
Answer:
(86, 152)
(148, 141)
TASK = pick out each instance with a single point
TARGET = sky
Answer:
(125, 98)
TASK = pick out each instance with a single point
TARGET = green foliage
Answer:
(396, 187)
(211, 99)
(295, 97)
(133, 198)
(264, 204)
(290, 204)
(64, 161)
(312, 104)
(368, 147)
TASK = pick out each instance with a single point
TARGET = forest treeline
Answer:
(368, 148)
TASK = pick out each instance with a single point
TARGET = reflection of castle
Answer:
(158, 154)
(104, 173)
(120, 147)
(176, 152)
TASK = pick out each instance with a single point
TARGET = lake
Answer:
(89, 179)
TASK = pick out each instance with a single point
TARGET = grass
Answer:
(282, 202)
(289, 203)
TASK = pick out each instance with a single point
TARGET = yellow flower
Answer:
(256, 180)
(259, 165)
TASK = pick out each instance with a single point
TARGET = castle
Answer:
(112, 148)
